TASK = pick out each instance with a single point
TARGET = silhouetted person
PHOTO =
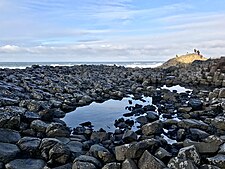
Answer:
(198, 52)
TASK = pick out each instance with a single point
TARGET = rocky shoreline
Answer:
(33, 101)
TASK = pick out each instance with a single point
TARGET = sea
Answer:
(136, 64)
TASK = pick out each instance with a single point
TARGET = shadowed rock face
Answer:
(182, 60)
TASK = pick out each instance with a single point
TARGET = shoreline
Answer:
(33, 100)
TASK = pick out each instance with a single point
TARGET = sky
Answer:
(109, 30)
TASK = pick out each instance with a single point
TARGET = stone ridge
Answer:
(182, 60)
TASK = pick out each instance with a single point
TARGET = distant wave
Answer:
(23, 65)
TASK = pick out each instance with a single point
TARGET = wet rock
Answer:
(83, 165)
(39, 125)
(25, 163)
(177, 163)
(89, 159)
(34, 106)
(197, 134)
(8, 101)
(29, 144)
(57, 130)
(192, 123)
(222, 93)
(151, 116)
(163, 154)
(9, 120)
(142, 120)
(129, 136)
(9, 136)
(134, 150)
(209, 145)
(30, 116)
(59, 153)
(75, 147)
(149, 161)
(218, 160)
(113, 165)
(152, 128)
(101, 152)
(8, 152)
(222, 149)
(184, 109)
(129, 164)
(189, 153)
(219, 122)
(46, 145)
(99, 136)
(196, 104)
(65, 166)
(207, 166)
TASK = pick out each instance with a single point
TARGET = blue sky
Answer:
(116, 30)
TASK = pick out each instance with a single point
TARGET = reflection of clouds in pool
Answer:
(178, 88)
(103, 115)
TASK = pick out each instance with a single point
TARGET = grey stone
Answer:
(65, 166)
(29, 144)
(177, 163)
(9, 136)
(149, 161)
(8, 152)
(152, 128)
(59, 153)
(189, 153)
(102, 153)
(83, 165)
(134, 150)
(75, 146)
(192, 123)
(10, 120)
(207, 166)
(209, 145)
(113, 165)
(31, 116)
(89, 159)
(25, 163)
(39, 125)
(162, 154)
(57, 130)
(218, 160)
(129, 136)
(129, 164)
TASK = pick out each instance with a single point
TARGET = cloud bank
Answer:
(120, 30)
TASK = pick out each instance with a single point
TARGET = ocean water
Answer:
(23, 65)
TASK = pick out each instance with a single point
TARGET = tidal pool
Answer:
(103, 115)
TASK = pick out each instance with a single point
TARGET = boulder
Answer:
(30, 116)
(209, 145)
(195, 104)
(134, 150)
(162, 154)
(59, 153)
(129, 136)
(39, 125)
(10, 120)
(9, 136)
(89, 159)
(83, 165)
(218, 160)
(152, 128)
(189, 153)
(222, 93)
(57, 130)
(8, 152)
(29, 145)
(129, 164)
(102, 153)
(219, 122)
(177, 163)
(193, 123)
(207, 166)
(113, 165)
(75, 147)
(148, 161)
(25, 163)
